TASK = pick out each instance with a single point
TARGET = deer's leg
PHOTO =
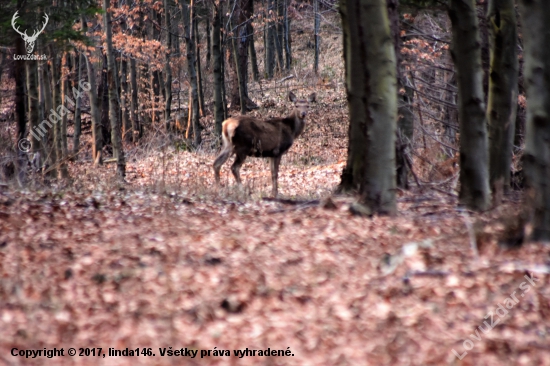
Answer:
(275, 174)
(236, 167)
(220, 160)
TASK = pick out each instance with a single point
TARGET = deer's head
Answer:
(29, 40)
(301, 105)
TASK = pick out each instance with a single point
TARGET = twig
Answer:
(291, 202)
(286, 78)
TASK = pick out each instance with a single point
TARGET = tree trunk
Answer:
(97, 135)
(32, 94)
(199, 71)
(116, 137)
(46, 92)
(405, 122)
(287, 37)
(42, 135)
(134, 115)
(208, 42)
(64, 87)
(503, 91)
(372, 99)
(466, 53)
(188, 22)
(58, 106)
(167, 67)
(240, 42)
(124, 102)
(252, 49)
(20, 112)
(279, 35)
(103, 95)
(536, 158)
(269, 41)
(218, 74)
(77, 112)
(317, 22)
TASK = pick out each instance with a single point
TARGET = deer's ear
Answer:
(312, 97)
(291, 96)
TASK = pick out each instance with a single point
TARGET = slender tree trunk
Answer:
(167, 67)
(64, 87)
(287, 37)
(503, 91)
(252, 48)
(269, 42)
(78, 111)
(208, 42)
(32, 94)
(116, 137)
(20, 112)
(134, 115)
(466, 53)
(316, 36)
(199, 71)
(240, 42)
(279, 35)
(238, 81)
(46, 90)
(405, 122)
(124, 102)
(103, 95)
(97, 135)
(535, 15)
(188, 24)
(59, 131)
(218, 74)
(372, 99)
(42, 135)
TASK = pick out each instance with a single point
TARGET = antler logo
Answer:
(29, 40)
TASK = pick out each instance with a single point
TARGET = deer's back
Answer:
(256, 137)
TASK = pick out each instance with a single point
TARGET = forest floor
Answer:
(168, 261)
(144, 268)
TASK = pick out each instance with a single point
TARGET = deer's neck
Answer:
(296, 123)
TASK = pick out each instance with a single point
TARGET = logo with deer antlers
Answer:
(29, 40)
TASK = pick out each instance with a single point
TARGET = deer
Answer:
(265, 138)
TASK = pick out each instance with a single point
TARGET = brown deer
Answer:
(270, 138)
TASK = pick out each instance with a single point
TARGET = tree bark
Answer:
(218, 74)
(97, 135)
(269, 41)
(536, 158)
(32, 94)
(405, 122)
(64, 87)
(200, 91)
(188, 25)
(58, 129)
(252, 49)
(466, 54)
(316, 24)
(103, 96)
(116, 137)
(167, 67)
(78, 111)
(279, 35)
(503, 91)
(134, 115)
(241, 39)
(372, 99)
(20, 111)
(287, 37)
